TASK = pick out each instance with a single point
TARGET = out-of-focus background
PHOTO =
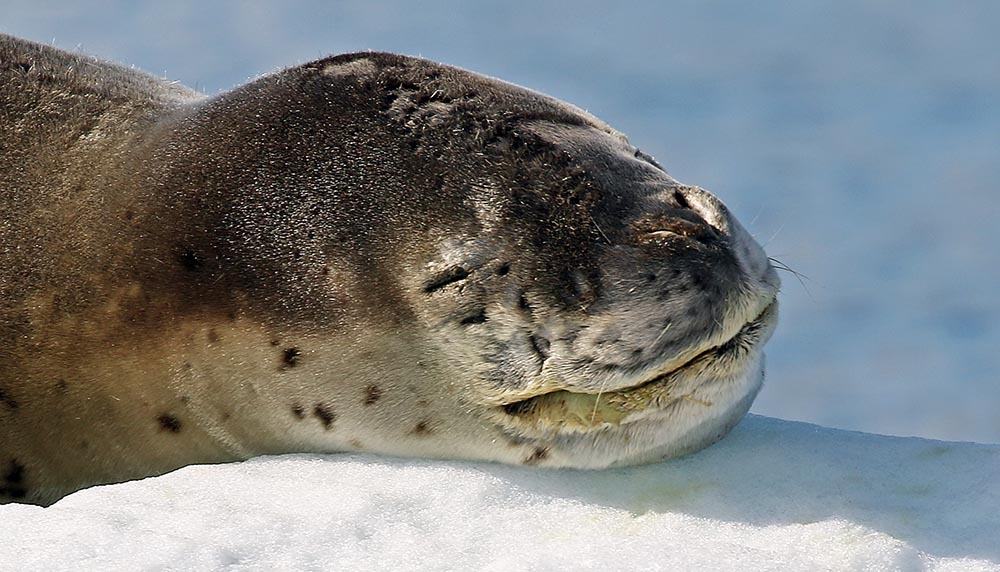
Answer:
(858, 140)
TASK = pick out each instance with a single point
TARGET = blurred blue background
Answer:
(859, 141)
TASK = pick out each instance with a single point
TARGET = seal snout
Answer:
(689, 203)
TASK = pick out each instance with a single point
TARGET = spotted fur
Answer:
(366, 252)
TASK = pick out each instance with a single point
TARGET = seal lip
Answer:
(753, 333)
(651, 393)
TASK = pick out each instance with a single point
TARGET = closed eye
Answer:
(447, 276)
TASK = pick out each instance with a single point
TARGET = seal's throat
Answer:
(572, 411)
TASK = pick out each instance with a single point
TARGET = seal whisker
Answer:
(598, 227)
(662, 333)
(597, 401)
(782, 266)
(773, 236)
(798, 275)
(753, 221)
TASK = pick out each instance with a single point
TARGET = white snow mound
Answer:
(774, 495)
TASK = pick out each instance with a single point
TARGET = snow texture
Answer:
(775, 495)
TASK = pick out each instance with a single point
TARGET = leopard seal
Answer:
(369, 252)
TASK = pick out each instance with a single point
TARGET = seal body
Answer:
(369, 252)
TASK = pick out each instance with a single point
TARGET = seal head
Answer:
(369, 252)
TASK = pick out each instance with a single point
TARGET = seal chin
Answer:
(670, 413)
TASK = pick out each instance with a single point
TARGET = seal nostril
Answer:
(675, 226)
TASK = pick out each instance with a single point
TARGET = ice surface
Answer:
(775, 495)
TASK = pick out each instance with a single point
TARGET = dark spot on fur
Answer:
(698, 282)
(169, 423)
(651, 277)
(539, 455)
(323, 413)
(422, 428)
(213, 336)
(7, 400)
(503, 269)
(446, 277)
(372, 394)
(477, 318)
(185, 399)
(325, 271)
(274, 343)
(13, 481)
(14, 474)
(356, 444)
(129, 215)
(522, 303)
(290, 357)
(191, 261)
(298, 412)
(231, 315)
(62, 386)
(515, 440)
(423, 403)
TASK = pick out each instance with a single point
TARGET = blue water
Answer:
(859, 140)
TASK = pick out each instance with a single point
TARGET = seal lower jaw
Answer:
(565, 411)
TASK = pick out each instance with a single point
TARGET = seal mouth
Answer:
(566, 410)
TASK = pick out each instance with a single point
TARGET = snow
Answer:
(774, 495)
